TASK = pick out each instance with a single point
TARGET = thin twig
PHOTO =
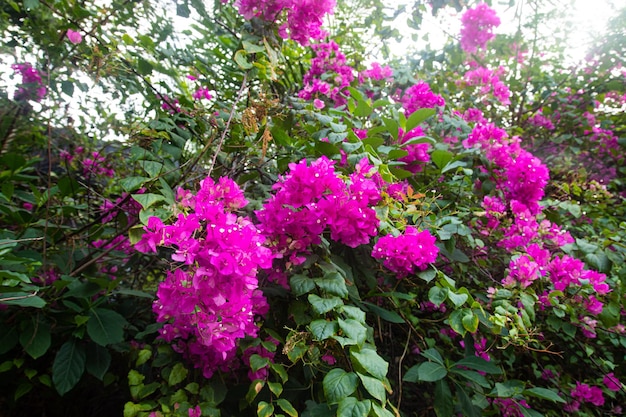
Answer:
(230, 118)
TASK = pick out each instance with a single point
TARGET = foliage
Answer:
(245, 217)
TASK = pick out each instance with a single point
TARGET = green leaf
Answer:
(468, 408)
(287, 407)
(8, 338)
(264, 409)
(338, 384)
(152, 168)
(457, 299)
(351, 407)
(35, 338)
(411, 374)
(508, 389)
(21, 390)
(105, 326)
(529, 412)
(418, 117)
(444, 406)
(67, 87)
(470, 320)
(472, 376)
(31, 4)
(437, 295)
(301, 284)
(333, 283)
(177, 375)
(314, 409)
(353, 330)
(544, 393)
(479, 364)
(428, 275)
(381, 412)
(98, 360)
(131, 184)
(390, 316)
(323, 329)
(374, 386)
(258, 362)
(371, 362)
(433, 355)
(323, 305)
(242, 60)
(22, 299)
(441, 157)
(430, 372)
(275, 387)
(144, 67)
(148, 199)
(456, 322)
(68, 366)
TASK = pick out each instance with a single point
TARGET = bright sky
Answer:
(588, 16)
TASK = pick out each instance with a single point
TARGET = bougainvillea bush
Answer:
(238, 208)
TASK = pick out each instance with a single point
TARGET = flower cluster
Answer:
(418, 152)
(32, 87)
(521, 179)
(539, 120)
(420, 96)
(489, 82)
(74, 36)
(212, 298)
(376, 73)
(586, 393)
(328, 76)
(96, 164)
(300, 20)
(312, 198)
(509, 407)
(477, 30)
(404, 254)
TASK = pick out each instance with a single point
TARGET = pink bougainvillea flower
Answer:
(406, 253)
(74, 36)
(611, 382)
(477, 30)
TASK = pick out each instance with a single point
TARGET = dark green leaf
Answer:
(148, 199)
(351, 407)
(323, 305)
(444, 406)
(468, 408)
(437, 295)
(390, 316)
(323, 329)
(8, 338)
(338, 384)
(508, 389)
(544, 393)
(68, 366)
(374, 386)
(35, 337)
(301, 284)
(105, 326)
(354, 330)
(430, 372)
(98, 360)
(479, 364)
(22, 299)
(333, 283)
(371, 362)
(433, 355)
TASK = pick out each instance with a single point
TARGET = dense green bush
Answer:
(212, 209)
